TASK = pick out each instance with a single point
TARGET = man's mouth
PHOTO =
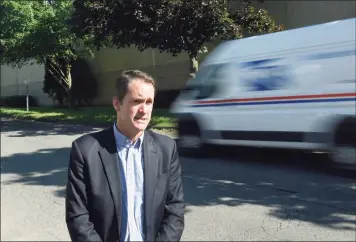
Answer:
(139, 119)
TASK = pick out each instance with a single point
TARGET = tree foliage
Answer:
(38, 31)
(172, 26)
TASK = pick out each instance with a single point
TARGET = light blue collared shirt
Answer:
(131, 158)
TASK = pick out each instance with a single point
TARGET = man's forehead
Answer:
(140, 87)
(142, 95)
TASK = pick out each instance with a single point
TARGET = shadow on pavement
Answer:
(294, 186)
(26, 128)
(289, 191)
(45, 167)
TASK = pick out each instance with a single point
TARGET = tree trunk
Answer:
(61, 71)
(68, 80)
(70, 89)
(194, 65)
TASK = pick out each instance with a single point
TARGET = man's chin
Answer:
(140, 126)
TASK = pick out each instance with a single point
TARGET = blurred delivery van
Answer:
(292, 89)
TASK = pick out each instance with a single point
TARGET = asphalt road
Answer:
(236, 194)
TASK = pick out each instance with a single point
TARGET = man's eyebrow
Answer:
(139, 97)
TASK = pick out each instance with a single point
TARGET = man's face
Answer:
(134, 112)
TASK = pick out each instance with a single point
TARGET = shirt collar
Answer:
(122, 141)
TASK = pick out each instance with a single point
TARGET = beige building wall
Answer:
(13, 82)
(109, 63)
(300, 13)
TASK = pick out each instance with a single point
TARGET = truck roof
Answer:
(311, 37)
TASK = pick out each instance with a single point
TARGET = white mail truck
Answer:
(292, 89)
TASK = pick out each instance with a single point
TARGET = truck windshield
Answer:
(204, 84)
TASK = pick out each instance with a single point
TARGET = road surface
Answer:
(239, 195)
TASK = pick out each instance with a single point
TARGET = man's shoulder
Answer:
(91, 138)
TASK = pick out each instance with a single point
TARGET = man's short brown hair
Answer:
(127, 77)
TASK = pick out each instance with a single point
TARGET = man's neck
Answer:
(131, 137)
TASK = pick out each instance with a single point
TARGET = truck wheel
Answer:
(343, 152)
(189, 140)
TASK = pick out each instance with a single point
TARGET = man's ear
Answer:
(116, 103)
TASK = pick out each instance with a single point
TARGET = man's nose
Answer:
(143, 108)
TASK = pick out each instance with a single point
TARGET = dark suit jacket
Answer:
(93, 193)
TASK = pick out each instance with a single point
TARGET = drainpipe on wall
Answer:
(17, 82)
(287, 14)
(153, 54)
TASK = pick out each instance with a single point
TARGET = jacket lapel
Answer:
(110, 160)
(150, 171)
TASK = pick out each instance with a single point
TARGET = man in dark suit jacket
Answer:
(124, 182)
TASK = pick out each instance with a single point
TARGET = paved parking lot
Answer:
(227, 198)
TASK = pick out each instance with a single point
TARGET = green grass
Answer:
(161, 118)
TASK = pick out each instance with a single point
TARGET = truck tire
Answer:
(189, 138)
(343, 151)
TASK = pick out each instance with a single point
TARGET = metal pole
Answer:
(27, 96)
